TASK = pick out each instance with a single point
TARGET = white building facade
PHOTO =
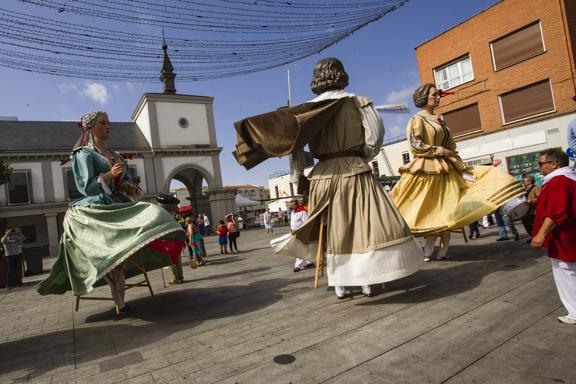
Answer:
(170, 136)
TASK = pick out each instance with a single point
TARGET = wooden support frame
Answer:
(320, 253)
(115, 297)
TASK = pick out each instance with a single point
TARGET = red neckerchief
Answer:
(301, 208)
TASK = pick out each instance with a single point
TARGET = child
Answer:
(222, 232)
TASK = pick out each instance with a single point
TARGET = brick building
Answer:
(512, 70)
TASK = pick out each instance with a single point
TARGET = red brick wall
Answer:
(473, 37)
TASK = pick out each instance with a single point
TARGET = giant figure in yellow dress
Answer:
(437, 191)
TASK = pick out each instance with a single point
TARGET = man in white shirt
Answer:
(297, 218)
(206, 225)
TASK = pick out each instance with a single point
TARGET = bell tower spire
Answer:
(167, 74)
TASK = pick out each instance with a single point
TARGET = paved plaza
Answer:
(487, 315)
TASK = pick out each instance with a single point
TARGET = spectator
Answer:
(268, 222)
(555, 225)
(222, 232)
(233, 233)
(207, 228)
(532, 193)
(11, 241)
(502, 222)
(473, 229)
(200, 224)
(195, 242)
(572, 135)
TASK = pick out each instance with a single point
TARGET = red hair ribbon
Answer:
(442, 93)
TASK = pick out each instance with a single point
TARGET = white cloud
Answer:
(130, 87)
(97, 92)
(67, 87)
(403, 94)
(395, 131)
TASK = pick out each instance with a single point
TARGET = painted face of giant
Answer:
(101, 128)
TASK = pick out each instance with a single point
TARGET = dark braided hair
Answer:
(420, 95)
(328, 75)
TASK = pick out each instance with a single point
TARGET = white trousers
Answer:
(565, 278)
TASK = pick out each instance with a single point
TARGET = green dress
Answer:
(105, 229)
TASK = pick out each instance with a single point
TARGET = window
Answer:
(375, 169)
(463, 120)
(291, 189)
(277, 192)
(454, 74)
(71, 189)
(405, 158)
(532, 100)
(517, 46)
(19, 188)
(29, 232)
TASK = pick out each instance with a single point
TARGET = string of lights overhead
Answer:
(120, 40)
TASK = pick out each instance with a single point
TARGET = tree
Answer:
(5, 171)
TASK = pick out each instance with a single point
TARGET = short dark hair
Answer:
(557, 155)
(530, 177)
(328, 75)
(420, 95)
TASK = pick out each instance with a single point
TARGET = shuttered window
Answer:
(517, 46)
(464, 120)
(19, 188)
(526, 102)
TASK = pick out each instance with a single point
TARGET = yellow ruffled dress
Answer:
(432, 194)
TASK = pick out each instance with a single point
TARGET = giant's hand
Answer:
(445, 152)
(117, 170)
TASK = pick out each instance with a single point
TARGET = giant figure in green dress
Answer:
(107, 236)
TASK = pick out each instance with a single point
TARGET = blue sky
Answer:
(379, 58)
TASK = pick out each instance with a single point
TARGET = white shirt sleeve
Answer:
(103, 184)
(297, 165)
(373, 131)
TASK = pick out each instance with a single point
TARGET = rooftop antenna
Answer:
(289, 89)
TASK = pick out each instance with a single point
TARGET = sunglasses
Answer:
(541, 163)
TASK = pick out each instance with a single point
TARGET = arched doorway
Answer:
(190, 185)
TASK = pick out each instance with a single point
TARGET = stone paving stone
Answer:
(231, 317)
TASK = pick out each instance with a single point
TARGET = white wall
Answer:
(394, 153)
(171, 134)
(58, 179)
(516, 141)
(143, 122)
